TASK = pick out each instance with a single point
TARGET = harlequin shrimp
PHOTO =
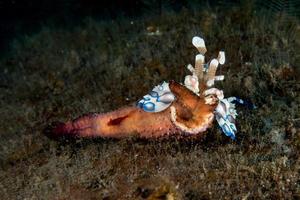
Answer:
(169, 108)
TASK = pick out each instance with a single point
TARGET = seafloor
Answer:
(57, 74)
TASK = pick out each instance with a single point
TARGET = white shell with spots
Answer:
(157, 100)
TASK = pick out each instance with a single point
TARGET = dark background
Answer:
(19, 17)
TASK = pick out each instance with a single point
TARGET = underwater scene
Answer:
(149, 99)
